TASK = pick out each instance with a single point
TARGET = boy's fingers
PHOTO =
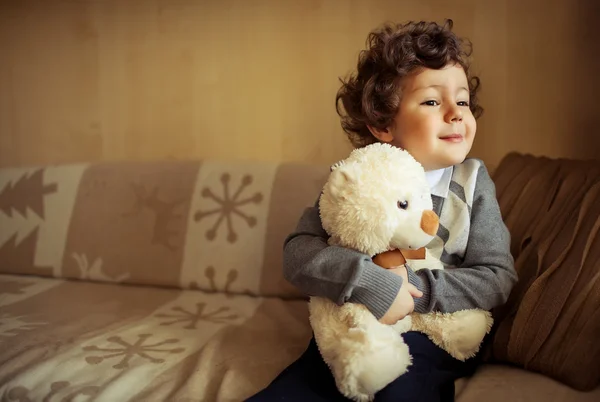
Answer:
(414, 292)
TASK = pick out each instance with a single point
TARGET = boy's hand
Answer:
(404, 303)
(401, 271)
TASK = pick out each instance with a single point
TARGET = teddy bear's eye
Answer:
(402, 204)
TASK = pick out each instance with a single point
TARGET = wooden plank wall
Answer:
(92, 80)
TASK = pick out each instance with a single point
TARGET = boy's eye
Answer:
(463, 103)
(430, 103)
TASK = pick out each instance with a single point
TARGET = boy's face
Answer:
(434, 122)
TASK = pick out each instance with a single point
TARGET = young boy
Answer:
(412, 89)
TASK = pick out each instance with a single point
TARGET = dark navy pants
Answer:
(429, 379)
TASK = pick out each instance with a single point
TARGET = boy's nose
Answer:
(454, 114)
(430, 222)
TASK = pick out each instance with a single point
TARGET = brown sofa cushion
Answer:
(551, 323)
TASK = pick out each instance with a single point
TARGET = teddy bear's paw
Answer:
(404, 325)
(464, 332)
(360, 397)
(374, 366)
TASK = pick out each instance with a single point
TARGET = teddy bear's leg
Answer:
(460, 333)
(363, 354)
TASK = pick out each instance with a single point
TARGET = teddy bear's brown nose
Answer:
(430, 222)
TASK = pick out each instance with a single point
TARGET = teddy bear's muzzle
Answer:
(430, 222)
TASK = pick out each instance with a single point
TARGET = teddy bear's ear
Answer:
(339, 179)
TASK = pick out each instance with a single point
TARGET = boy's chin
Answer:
(444, 163)
(455, 158)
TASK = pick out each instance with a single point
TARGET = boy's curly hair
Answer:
(372, 95)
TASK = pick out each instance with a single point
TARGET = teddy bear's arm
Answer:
(336, 273)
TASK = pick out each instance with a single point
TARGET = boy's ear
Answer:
(383, 135)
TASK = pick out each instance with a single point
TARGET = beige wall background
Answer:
(92, 80)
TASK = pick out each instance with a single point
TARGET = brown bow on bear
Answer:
(395, 258)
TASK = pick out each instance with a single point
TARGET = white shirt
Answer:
(439, 181)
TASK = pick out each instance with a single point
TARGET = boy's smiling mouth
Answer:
(452, 137)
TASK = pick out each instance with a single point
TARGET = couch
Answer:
(161, 281)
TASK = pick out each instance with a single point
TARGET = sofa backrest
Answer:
(551, 323)
(211, 225)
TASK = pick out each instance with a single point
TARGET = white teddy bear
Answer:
(376, 201)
